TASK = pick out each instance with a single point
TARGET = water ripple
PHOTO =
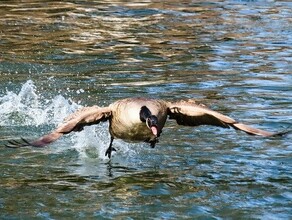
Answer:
(234, 56)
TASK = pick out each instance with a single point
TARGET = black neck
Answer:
(144, 113)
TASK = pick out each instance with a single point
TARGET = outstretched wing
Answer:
(75, 122)
(190, 113)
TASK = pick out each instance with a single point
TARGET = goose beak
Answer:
(154, 130)
(151, 123)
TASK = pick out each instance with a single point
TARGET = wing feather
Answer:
(190, 113)
(75, 122)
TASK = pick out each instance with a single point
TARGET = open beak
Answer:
(154, 130)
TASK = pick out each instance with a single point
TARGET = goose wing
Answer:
(75, 122)
(190, 113)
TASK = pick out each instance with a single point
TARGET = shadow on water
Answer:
(234, 56)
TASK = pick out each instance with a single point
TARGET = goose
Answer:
(140, 119)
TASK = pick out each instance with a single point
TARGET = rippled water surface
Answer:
(234, 56)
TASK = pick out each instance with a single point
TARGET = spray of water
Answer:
(27, 108)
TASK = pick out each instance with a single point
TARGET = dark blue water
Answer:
(233, 56)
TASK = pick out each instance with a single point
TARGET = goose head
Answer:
(150, 120)
(151, 123)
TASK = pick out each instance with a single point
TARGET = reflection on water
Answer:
(234, 56)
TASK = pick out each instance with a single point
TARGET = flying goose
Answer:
(140, 119)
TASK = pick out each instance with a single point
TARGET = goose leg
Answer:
(153, 142)
(110, 149)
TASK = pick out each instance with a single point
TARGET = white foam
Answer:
(27, 108)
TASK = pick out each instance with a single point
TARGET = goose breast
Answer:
(125, 122)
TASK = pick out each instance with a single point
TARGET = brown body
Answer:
(129, 127)
(129, 122)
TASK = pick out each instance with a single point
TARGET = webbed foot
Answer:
(153, 143)
(109, 151)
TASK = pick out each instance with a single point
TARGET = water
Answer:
(234, 56)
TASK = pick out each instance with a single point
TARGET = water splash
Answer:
(27, 108)
(22, 108)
